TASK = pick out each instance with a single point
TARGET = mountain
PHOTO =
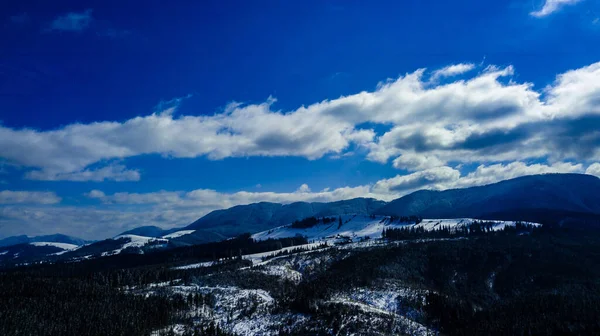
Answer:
(361, 227)
(548, 198)
(14, 240)
(263, 216)
(55, 238)
(147, 231)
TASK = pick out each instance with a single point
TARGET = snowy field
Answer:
(134, 241)
(64, 246)
(362, 227)
(178, 234)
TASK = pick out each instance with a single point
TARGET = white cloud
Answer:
(207, 199)
(593, 169)
(28, 197)
(303, 188)
(111, 172)
(551, 6)
(487, 117)
(96, 194)
(86, 222)
(413, 161)
(452, 70)
(72, 22)
(434, 178)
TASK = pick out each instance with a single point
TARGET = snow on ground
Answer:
(362, 226)
(433, 224)
(134, 241)
(177, 329)
(178, 234)
(198, 265)
(236, 310)
(64, 246)
(388, 302)
(353, 226)
(284, 272)
(411, 326)
(256, 258)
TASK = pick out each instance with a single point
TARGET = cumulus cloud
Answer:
(484, 118)
(452, 70)
(551, 6)
(412, 161)
(303, 188)
(86, 222)
(593, 169)
(434, 178)
(113, 172)
(72, 21)
(208, 199)
(28, 197)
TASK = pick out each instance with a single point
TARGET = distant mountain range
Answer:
(548, 199)
(263, 216)
(564, 199)
(148, 231)
(55, 238)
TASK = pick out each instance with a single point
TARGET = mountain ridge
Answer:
(53, 238)
(261, 216)
(560, 193)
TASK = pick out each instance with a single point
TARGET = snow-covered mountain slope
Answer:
(549, 198)
(262, 216)
(147, 231)
(135, 242)
(33, 251)
(178, 234)
(55, 238)
(361, 227)
(64, 246)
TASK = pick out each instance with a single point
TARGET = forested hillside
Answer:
(518, 280)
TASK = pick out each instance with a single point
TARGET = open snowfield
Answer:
(362, 227)
(178, 234)
(63, 246)
(134, 241)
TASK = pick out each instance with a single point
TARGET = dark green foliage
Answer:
(543, 283)
(312, 221)
(477, 228)
(294, 251)
(34, 305)
(406, 219)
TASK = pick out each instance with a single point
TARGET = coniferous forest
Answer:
(518, 281)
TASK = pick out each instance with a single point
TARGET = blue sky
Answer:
(116, 115)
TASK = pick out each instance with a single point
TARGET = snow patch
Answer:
(283, 272)
(178, 234)
(64, 246)
(134, 241)
(362, 227)
(198, 265)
